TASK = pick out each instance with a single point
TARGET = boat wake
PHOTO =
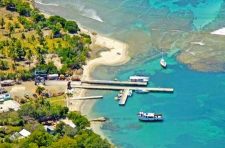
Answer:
(46, 4)
(88, 12)
(92, 14)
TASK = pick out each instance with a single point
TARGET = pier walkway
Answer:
(106, 87)
(87, 98)
(107, 82)
(124, 97)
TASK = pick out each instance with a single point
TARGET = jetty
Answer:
(124, 97)
(106, 87)
(108, 82)
(125, 86)
(100, 119)
(87, 98)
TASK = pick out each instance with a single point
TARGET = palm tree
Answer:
(11, 29)
(29, 56)
(13, 54)
(39, 90)
(2, 23)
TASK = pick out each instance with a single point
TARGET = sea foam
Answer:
(88, 12)
(47, 4)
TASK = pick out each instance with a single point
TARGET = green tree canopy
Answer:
(23, 9)
(80, 121)
(87, 138)
(4, 65)
(43, 111)
(39, 138)
(57, 19)
(71, 27)
(65, 142)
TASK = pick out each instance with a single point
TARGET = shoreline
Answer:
(115, 56)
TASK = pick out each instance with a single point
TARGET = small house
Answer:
(49, 129)
(15, 136)
(9, 105)
(69, 123)
(24, 133)
(20, 135)
(53, 76)
(40, 73)
(2, 90)
(7, 83)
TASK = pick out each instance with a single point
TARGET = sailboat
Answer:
(163, 63)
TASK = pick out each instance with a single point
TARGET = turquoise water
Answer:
(204, 11)
(115, 14)
(194, 114)
(154, 24)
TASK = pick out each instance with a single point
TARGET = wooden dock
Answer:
(107, 82)
(106, 87)
(100, 119)
(87, 98)
(124, 97)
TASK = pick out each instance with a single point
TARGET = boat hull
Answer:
(163, 66)
(163, 63)
(141, 91)
(150, 119)
(139, 79)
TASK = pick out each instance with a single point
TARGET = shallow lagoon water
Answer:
(194, 114)
(154, 24)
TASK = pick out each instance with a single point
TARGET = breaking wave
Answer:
(88, 12)
(46, 4)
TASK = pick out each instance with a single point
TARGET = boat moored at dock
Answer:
(130, 93)
(139, 78)
(149, 117)
(141, 91)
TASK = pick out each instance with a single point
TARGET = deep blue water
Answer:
(195, 112)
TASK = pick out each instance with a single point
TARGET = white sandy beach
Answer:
(219, 31)
(116, 55)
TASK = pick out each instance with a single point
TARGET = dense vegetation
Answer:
(32, 114)
(43, 111)
(29, 40)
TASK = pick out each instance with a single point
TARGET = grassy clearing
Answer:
(59, 100)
